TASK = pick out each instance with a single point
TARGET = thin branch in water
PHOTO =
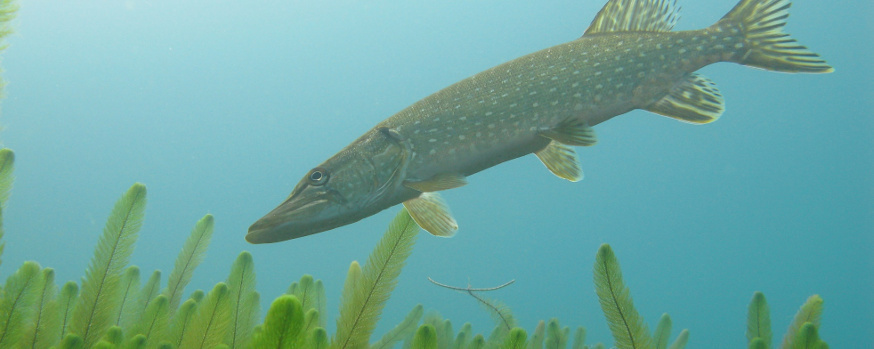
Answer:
(470, 290)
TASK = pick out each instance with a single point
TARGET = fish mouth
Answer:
(293, 219)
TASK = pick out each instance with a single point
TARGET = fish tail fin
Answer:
(766, 45)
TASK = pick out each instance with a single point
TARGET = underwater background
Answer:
(221, 107)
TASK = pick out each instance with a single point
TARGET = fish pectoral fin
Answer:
(572, 132)
(432, 214)
(439, 182)
(695, 100)
(561, 160)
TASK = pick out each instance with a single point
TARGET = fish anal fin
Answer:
(635, 15)
(695, 100)
(432, 214)
(439, 182)
(572, 132)
(561, 160)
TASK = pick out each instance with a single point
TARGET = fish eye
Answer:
(317, 176)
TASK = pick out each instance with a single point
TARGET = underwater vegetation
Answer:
(113, 308)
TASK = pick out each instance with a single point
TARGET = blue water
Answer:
(221, 107)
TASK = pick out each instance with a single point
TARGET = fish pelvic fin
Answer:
(696, 100)
(767, 46)
(432, 214)
(635, 15)
(561, 160)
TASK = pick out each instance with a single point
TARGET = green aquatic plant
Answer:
(367, 290)
(101, 294)
(803, 332)
(113, 309)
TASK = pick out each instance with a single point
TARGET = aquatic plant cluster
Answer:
(112, 308)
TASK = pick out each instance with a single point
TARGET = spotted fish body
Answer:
(542, 103)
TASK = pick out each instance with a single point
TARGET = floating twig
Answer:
(470, 290)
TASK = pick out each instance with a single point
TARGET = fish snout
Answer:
(290, 220)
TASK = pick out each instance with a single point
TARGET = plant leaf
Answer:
(516, 339)
(362, 305)
(681, 340)
(625, 323)
(662, 332)
(7, 162)
(43, 329)
(241, 287)
(556, 336)
(182, 319)
(318, 339)
(17, 304)
(145, 296)
(425, 338)
(536, 341)
(579, 338)
(282, 327)
(464, 336)
(66, 302)
(810, 311)
(759, 320)
(130, 283)
(402, 330)
(154, 321)
(211, 320)
(100, 294)
(189, 258)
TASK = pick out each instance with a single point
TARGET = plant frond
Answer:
(662, 332)
(404, 329)
(425, 338)
(20, 293)
(282, 327)
(360, 312)
(66, 302)
(464, 336)
(130, 284)
(211, 320)
(179, 328)
(241, 287)
(43, 329)
(7, 164)
(143, 298)
(810, 311)
(517, 339)
(556, 336)
(100, 294)
(579, 338)
(759, 320)
(681, 340)
(153, 323)
(625, 323)
(537, 337)
(193, 252)
(318, 339)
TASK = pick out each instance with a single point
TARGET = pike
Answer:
(543, 103)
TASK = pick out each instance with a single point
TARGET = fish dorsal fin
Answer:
(561, 160)
(695, 100)
(635, 15)
(443, 181)
(432, 214)
(573, 131)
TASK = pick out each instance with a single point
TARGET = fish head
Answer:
(354, 184)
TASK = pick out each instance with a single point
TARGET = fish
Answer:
(545, 103)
